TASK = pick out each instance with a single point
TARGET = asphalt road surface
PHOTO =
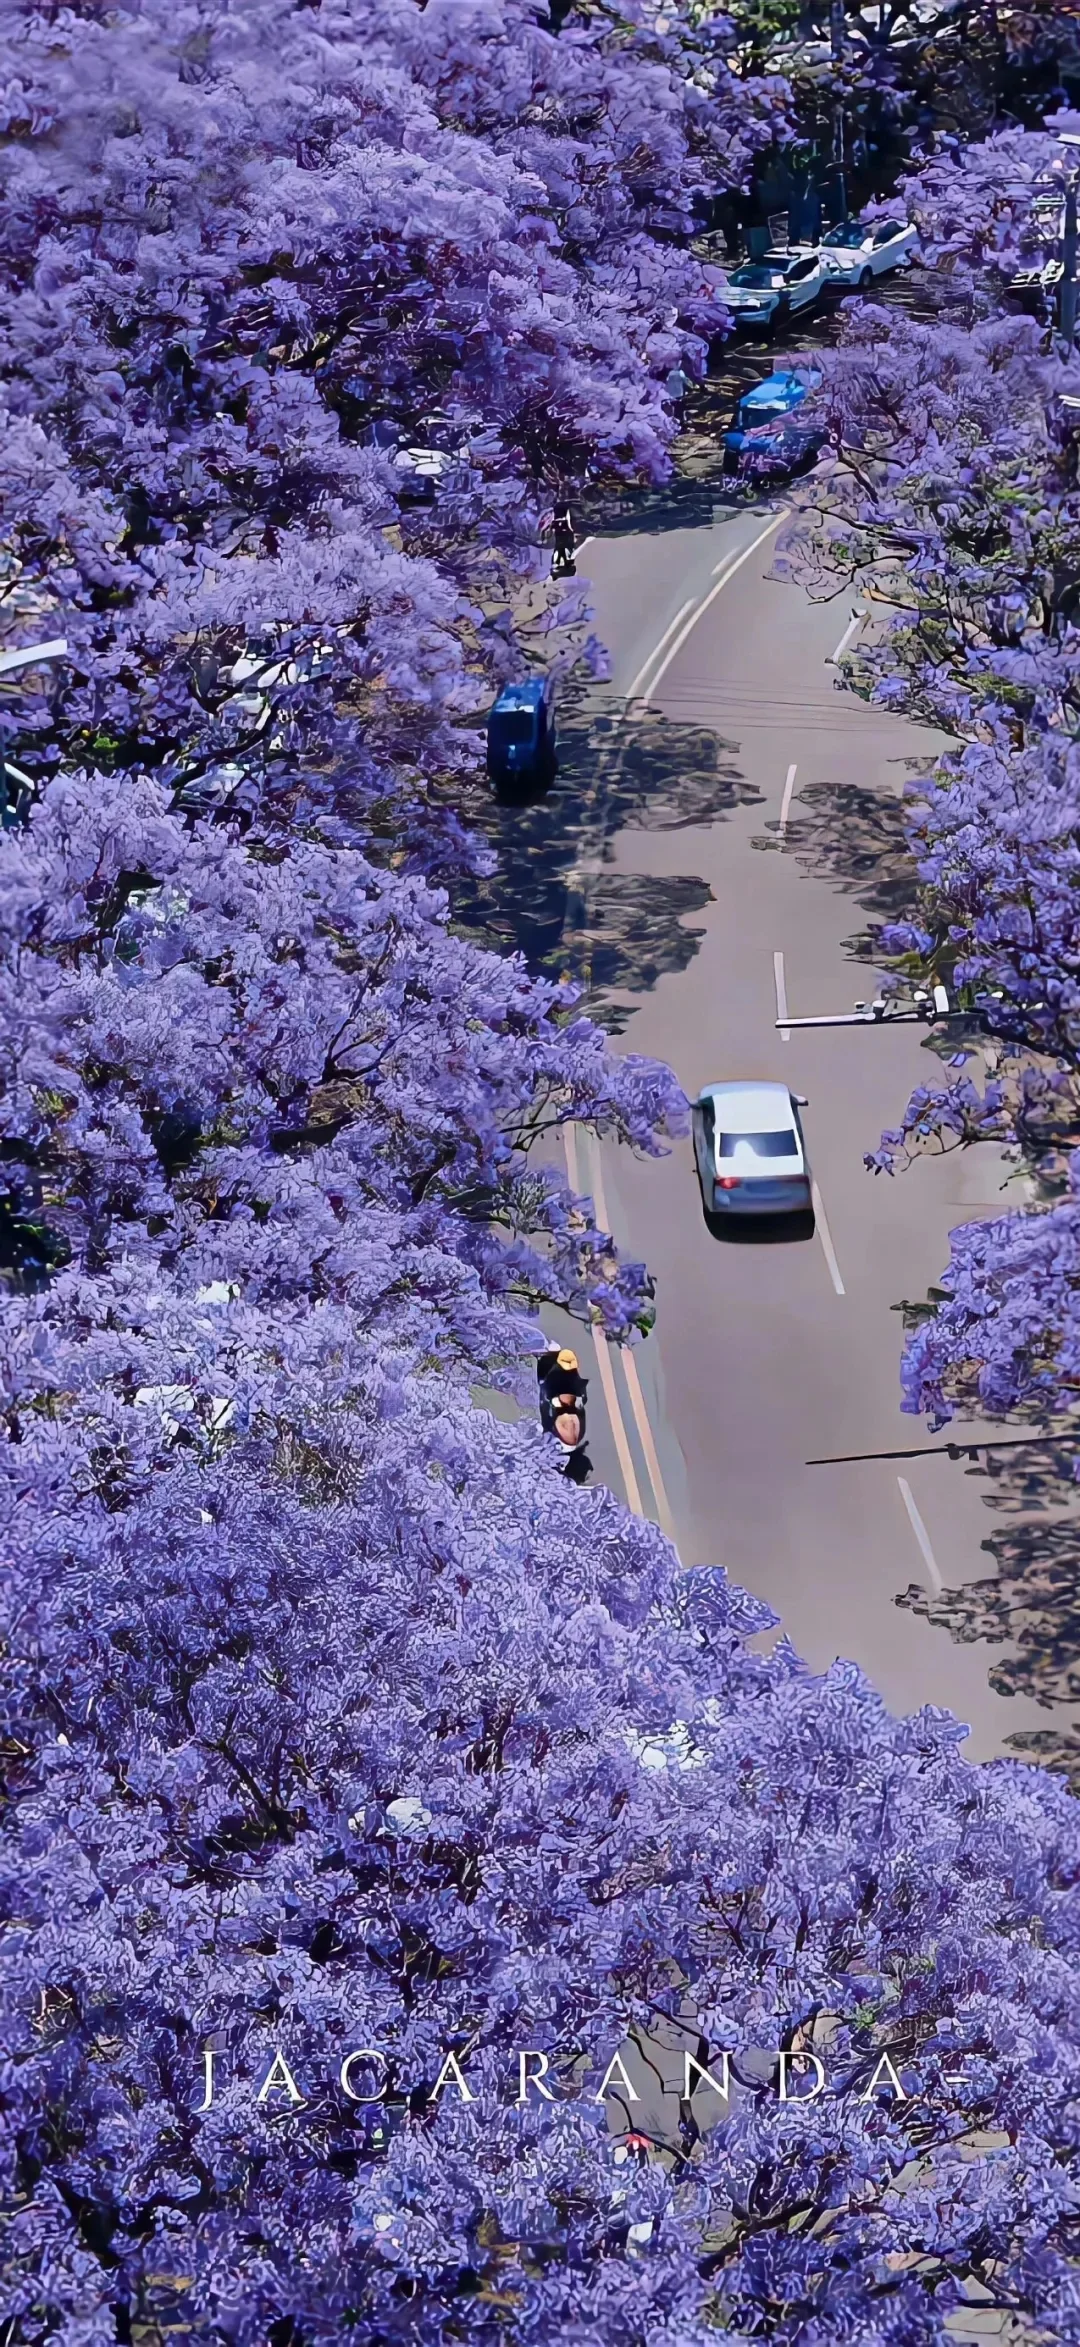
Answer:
(767, 1355)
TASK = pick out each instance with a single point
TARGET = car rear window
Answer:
(762, 1144)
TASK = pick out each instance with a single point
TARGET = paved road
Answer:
(767, 1355)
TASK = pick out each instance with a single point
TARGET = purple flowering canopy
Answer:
(954, 503)
(245, 252)
(333, 1718)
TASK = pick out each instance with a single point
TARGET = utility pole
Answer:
(838, 42)
(1067, 310)
(1067, 294)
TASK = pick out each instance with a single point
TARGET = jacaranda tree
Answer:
(241, 248)
(954, 502)
(348, 1752)
(338, 1725)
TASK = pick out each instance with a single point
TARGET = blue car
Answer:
(521, 735)
(768, 434)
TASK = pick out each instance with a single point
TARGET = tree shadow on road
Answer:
(856, 840)
(1031, 1603)
(686, 503)
(555, 896)
(700, 490)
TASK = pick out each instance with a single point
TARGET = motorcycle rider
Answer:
(563, 1392)
(563, 565)
(558, 1375)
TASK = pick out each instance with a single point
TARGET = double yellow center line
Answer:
(591, 1182)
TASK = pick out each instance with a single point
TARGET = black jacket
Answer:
(553, 1381)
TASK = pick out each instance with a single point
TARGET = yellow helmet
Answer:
(567, 1360)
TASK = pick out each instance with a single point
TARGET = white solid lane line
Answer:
(785, 803)
(825, 1235)
(921, 1535)
(657, 649)
(855, 622)
(726, 572)
(781, 996)
(600, 1347)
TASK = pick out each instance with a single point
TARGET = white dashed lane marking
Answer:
(921, 1535)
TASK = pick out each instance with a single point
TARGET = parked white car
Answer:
(778, 286)
(751, 1157)
(855, 253)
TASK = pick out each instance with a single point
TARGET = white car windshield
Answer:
(848, 235)
(758, 277)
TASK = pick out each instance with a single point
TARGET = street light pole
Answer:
(928, 1009)
(1068, 279)
(1067, 295)
(838, 44)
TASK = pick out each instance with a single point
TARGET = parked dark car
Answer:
(521, 748)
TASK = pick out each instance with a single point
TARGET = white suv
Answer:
(777, 286)
(855, 253)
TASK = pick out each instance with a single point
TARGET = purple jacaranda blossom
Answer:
(259, 1068)
(953, 499)
(248, 251)
(333, 1717)
(334, 1742)
(1006, 1334)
